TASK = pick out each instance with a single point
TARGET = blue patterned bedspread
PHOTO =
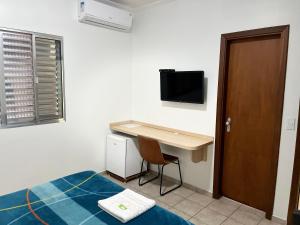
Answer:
(73, 200)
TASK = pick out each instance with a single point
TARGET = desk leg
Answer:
(199, 155)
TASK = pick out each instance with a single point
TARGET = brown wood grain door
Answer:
(252, 115)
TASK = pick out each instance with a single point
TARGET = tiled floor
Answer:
(200, 209)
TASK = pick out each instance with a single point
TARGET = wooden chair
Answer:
(151, 153)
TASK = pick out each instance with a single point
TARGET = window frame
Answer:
(37, 121)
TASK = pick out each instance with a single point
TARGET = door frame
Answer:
(295, 186)
(283, 31)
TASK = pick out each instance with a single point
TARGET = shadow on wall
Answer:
(191, 106)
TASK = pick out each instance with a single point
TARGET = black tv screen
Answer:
(182, 86)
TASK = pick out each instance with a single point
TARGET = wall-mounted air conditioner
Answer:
(100, 14)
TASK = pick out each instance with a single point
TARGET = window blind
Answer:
(31, 79)
(18, 77)
(48, 72)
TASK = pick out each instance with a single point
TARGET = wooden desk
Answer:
(196, 143)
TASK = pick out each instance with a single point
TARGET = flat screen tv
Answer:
(182, 86)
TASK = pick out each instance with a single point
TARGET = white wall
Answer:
(98, 84)
(179, 34)
(185, 35)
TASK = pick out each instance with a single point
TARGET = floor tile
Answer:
(135, 185)
(170, 199)
(267, 222)
(252, 210)
(145, 195)
(230, 221)
(196, 221)
(150, 176)
(188, 207)
(180, 213)
(167, 185)
(162, 204)
(201, 199)
(224, 206)
(184, 192)
(246, 217)
(151, 189)
(210, 217)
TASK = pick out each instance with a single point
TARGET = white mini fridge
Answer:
(122, 156)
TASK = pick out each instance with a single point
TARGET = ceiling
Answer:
(134, 3)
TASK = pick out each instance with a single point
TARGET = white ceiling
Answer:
(135, 3)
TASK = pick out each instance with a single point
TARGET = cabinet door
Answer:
(116, 155)
(133, 158)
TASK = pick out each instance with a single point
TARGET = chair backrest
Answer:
(150, 150)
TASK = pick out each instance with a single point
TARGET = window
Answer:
(31, 78)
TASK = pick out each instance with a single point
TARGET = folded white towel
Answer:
(126, 205)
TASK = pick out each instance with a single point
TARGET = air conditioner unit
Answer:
(97, 13)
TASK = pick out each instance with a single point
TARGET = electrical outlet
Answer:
(290, 124)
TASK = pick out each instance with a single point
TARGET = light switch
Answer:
(290, 124)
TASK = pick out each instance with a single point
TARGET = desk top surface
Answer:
(178, 138)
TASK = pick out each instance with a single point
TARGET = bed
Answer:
(73, 200)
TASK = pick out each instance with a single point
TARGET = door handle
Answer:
(227, 124)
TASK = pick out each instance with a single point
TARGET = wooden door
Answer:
(252, 114)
